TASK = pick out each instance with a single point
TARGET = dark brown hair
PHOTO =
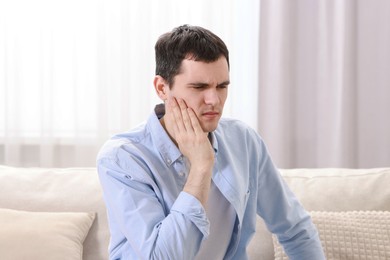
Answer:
(186, 42)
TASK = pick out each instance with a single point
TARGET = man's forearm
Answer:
(198, 183)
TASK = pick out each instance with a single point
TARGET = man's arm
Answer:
(139, 224)
(183, 126)
(284, 215)
(141, 228)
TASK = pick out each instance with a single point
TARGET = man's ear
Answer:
(161, 86)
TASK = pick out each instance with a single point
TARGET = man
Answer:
(187, 184)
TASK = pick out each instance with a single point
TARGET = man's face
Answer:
(203, 86)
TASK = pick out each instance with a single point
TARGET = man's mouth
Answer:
(211, 114)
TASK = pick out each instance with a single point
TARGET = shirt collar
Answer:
(214, 142)
(166, 147)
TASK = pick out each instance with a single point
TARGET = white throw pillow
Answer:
(350, 235)
(43, 235)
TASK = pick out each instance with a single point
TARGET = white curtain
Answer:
(72, 73)
(324, 96)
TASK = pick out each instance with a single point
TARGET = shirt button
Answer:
(181, 174)
(169, 161)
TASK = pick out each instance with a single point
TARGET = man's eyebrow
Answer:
(199, 84)
(204, 84)
(227, 82)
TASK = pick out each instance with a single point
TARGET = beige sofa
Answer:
(32, 190)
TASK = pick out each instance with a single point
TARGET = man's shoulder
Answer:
(228, 120)
(125, 141)
(235, 132)
(231, 125)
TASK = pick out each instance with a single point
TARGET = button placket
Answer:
(181, 167)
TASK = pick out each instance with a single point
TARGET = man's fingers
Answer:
(195, 121)
(177, 115)
(183, 119)
(169, 118)
(184, 113)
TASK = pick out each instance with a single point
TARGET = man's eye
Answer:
(222, 86)
(199, 87)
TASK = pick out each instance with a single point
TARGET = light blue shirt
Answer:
(143, 173)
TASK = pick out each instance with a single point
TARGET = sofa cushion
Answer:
(59, 190)
(350, 235)
(43, 235)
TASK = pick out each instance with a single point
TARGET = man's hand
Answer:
(189, 135)
(183, 125)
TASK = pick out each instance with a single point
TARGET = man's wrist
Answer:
(198, 182)
(202, 169)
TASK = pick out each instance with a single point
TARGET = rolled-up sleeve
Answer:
(189, 206)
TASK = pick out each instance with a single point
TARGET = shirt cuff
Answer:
(191, 207)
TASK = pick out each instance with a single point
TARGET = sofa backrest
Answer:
(340, 189)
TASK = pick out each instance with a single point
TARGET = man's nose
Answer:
(212, 97)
